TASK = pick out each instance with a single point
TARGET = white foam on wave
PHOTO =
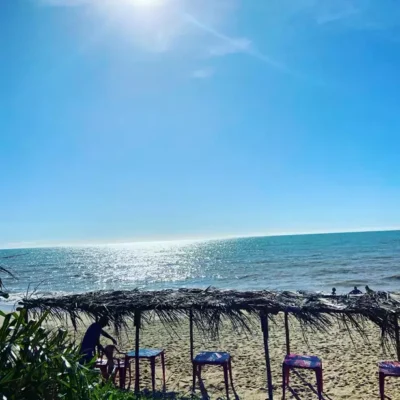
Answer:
(15, 297)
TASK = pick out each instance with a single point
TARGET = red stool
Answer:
(387, 368)
(305, 362)
(110, 367)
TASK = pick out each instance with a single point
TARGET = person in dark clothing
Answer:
(369, 290)
(92, 339)
(333, 292)
(355, 291)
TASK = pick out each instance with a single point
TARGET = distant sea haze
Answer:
(309, 262)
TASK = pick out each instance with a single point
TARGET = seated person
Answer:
(92, 339)
(355, 291)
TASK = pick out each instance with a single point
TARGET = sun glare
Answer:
(147, 3)
(151, 25)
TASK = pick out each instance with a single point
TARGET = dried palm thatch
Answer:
(209, 307)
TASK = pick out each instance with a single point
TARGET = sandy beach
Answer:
(349, 363)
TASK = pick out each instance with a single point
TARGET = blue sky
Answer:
(135, 119)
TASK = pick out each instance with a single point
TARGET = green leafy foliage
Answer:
(37, 363)
(42, 364)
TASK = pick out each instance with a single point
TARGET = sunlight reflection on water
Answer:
(315, 262)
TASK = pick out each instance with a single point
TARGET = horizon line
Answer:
(38, 244)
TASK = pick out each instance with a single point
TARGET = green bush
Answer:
(42, 364)
(38, 363)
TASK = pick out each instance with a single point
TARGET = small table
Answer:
(387, 368)
(292, 361)
(222, 359)
(151, 355)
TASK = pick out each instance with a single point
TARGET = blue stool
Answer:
(213, 358)
(151, 355)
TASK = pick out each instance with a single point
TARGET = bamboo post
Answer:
(397, 333)
(264, 326)
(191, 335)
(137, 348)
(287, 333)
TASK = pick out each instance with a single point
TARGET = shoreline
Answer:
(7, 307)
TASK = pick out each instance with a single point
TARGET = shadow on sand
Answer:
(305, 382)
(204, 394)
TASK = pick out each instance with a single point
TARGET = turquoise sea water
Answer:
(308, 262)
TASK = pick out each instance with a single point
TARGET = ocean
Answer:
(315, 262)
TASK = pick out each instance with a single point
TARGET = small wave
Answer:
(352, 282)
(316, 262)
(383, 258)
(393, 277)
(330, 271)
(315, 255)
(246, 276)
(18, 296)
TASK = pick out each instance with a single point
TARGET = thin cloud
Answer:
(203, 73)
(336, 16)
(172, 25)
(240, 45)
(348, 14)
(327, 13)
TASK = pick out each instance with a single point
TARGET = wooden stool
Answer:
(387, 368)
(213, 358)
(305, 362)
(151, 355)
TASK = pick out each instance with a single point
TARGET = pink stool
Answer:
(118, 367)
(387, 368)
(305, 362)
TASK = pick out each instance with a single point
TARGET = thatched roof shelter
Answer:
(208, 308)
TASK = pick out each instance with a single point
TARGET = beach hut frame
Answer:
(207, 308)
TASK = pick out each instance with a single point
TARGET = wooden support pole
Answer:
(287, 333)
(264, 326)
(397, 333)
(191, 335)
(137, 348)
